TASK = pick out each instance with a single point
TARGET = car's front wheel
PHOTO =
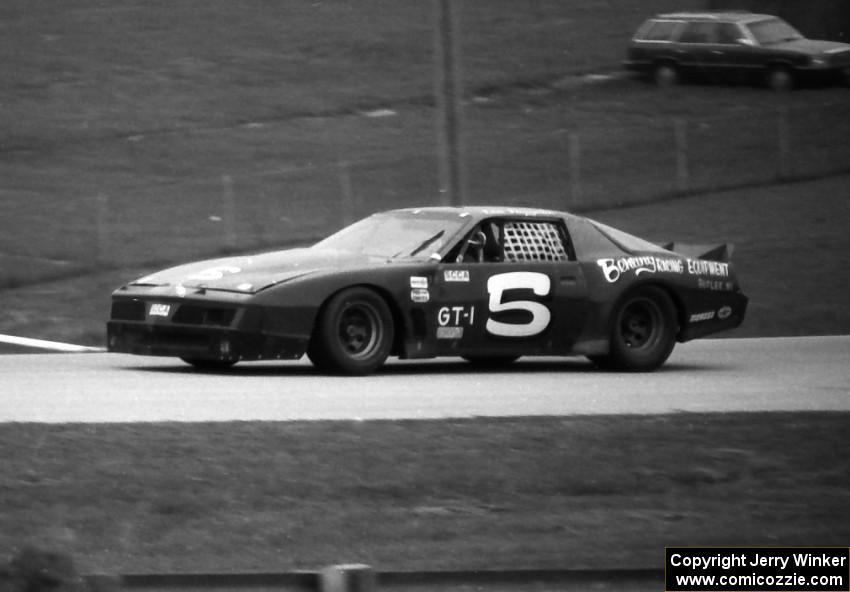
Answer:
(643, 331)
(665, 75)
(780, 78)
(353, 334)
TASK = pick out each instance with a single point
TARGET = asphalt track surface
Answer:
(807, 373)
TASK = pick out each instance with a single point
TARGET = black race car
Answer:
(489, 284)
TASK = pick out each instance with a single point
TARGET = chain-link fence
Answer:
(576, 168)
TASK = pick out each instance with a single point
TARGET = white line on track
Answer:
(56, 346)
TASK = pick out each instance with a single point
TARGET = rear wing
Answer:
(721, 253)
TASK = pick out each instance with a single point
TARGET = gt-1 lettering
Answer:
(454, 315)
(538, 283)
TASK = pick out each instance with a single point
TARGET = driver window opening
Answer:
(495, 241)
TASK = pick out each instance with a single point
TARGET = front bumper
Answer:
(201, 343)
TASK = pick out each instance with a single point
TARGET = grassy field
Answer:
(138, 133)
(464, 494)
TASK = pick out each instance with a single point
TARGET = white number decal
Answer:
(215, 273)
(540, 316)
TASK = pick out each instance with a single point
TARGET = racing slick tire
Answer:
(643, 331)
(208, 364)
(353, 334)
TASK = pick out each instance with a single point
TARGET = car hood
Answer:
(252, 273)
(813, 46)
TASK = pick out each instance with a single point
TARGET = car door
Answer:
(520, 292)
(729, 57)
(694, 47)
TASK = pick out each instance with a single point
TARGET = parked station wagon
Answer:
(733, 46)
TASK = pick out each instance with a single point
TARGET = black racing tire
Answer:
(490, 361)
(665, 75)
(643, 331)
(354, 333)
(780, 78)
(209, 364)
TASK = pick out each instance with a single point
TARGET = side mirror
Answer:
(745, 42)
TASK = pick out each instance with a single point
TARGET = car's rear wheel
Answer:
(353, 334)
(780, 78)
(665, 75)
(643, 331)
(209, 364)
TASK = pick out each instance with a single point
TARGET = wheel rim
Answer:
(640, 324)
(360, 330)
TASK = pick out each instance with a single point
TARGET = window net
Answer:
(533, 241)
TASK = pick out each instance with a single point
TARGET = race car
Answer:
(488, 284)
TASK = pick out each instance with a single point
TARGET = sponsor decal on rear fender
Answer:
(613, 269)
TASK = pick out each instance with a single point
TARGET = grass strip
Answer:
(566, 492)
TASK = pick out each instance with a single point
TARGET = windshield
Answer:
(773, 31)
(402, 234)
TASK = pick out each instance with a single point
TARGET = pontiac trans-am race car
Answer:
(488, 284)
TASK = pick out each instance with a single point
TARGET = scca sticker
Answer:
(538, 283)
(456, 275)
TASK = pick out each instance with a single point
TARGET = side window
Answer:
(728, 33)
(498, 240)
(659, 31)
(534, 241)
(698, 32)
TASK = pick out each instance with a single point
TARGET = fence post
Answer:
(683, 174)
(347, 578)
(785, 171)
(574, 155)
(101, 204)
(449, 99)
(228, 212)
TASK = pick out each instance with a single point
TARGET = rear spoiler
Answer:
(721, 253)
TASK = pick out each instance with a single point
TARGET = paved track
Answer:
(810, 373)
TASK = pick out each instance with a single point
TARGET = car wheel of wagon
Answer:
(353, 334)
(780, 78)
(208, 364)
(643, 332)
(665, 75)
